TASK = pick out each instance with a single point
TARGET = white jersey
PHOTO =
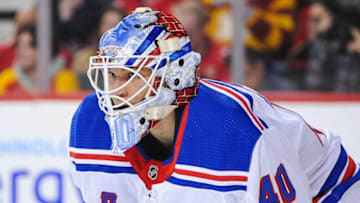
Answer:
(232, 145)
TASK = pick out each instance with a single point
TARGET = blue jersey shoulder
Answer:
(221, 132)
(88, 127)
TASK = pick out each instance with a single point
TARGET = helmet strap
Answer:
(158, 113)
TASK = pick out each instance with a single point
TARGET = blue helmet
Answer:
(151, 40)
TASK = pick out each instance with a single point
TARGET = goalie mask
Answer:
(144, 69)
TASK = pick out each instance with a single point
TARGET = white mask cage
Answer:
(98, 74)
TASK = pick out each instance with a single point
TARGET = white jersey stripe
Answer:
(102, 162)
(210, 171)
(91, 151)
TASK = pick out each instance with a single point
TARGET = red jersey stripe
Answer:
(350, 169)
(97, 157)
(211, 177)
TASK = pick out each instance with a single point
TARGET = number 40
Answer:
(287, 191)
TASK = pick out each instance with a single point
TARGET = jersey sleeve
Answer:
(73, 133)
(327, 169)
(275, 173)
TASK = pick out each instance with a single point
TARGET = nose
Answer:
(123, 93)
(118, 85)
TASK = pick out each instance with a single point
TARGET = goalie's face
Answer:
(123, 88)
(133, 92)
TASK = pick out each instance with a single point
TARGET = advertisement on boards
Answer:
(34, 164)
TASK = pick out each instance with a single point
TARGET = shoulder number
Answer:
(107, 197)
(283, 183)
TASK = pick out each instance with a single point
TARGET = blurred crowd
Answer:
(309, 45)
(289, 44)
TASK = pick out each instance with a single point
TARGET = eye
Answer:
(131, 74)
(111, 74)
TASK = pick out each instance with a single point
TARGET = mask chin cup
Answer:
(122, 133)
(126, 129)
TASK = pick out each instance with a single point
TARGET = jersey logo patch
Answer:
(153, 172)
